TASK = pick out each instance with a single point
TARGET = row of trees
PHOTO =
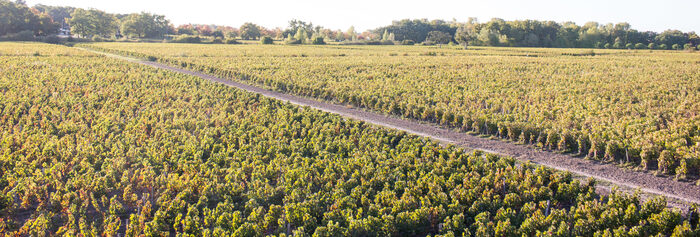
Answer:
(93, 22)
(533, 33)
(297, 30)
(496, 32)
(44, 20)
(17, 17)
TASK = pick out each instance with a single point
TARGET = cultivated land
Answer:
(636, 108)
(681, 193)
(93, 145)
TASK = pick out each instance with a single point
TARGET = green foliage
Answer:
(318, 41)
(465, 34)
(145, 25)
(16, 17)
(266, 40)
(249, 31)
(193, 39)
(218, 34)
(301, 35)
(688, 46)
(682, 170)
(25, 35)
(415, 30)
(407, 42)
(666, 162)
(438, 37)
(88, 23)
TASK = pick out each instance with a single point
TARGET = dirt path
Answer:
(628, 179)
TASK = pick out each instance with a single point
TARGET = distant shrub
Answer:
(407, 42)
(232, 41)
(217, 41)
(293, 41)
(629, 46)
(187, 39)
(387, 42)
(52, 39)
(676, 46)
(318, 41)
(362, 42)
(651, 46)
(97, 38)
(663, 46)
(266, 40)
(607, 45)
(688, 46)
(640, 46)
(373, 42)
(25, 35)
(589, 52)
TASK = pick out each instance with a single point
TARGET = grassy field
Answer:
(635, 107)
(97, 146)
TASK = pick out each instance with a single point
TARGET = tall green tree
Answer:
(438, 37)
(16, 17)
(144, 25)
(250, 31)
(352, 35)
(295, 25)
(301, 35)
(58, 14)
(465, 33)
(567, 35)
(671, 37)
(416, 30)
(92, 22)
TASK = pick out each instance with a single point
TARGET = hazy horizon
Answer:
(365, 15)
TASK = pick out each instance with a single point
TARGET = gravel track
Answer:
(625, 178)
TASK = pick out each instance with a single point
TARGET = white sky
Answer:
(643, 15)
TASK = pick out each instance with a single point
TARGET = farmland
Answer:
(636, 108)
(92, 146)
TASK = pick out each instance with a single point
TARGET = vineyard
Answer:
(97, 146)
(635, 108)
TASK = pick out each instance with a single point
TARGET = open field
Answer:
(634, 107)
(93, 145)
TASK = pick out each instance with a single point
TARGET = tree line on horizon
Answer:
(533, 33)
(20, 22)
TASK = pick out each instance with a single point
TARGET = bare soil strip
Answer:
(628, 179)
